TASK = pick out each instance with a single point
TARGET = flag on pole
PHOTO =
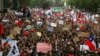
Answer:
(91, 43)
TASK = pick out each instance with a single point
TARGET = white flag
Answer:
(14, 51)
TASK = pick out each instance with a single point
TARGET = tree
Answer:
(88, 5)
(15, 4)
(6, 3)
(40, 3)
(25, 2)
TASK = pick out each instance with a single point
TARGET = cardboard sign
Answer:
(61, 22)
(53, 24)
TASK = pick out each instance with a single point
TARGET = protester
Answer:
(49, 33)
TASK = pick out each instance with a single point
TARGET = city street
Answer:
(49, 28)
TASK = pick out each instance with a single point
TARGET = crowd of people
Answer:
(66, 31)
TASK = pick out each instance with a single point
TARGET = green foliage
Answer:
(89, 5)
(40, 3)
(25, 2)
(15, 4)
(6, 3)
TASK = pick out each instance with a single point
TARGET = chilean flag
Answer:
(91, 43)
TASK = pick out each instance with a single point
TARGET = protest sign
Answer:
(53, 24)
(43, 47)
